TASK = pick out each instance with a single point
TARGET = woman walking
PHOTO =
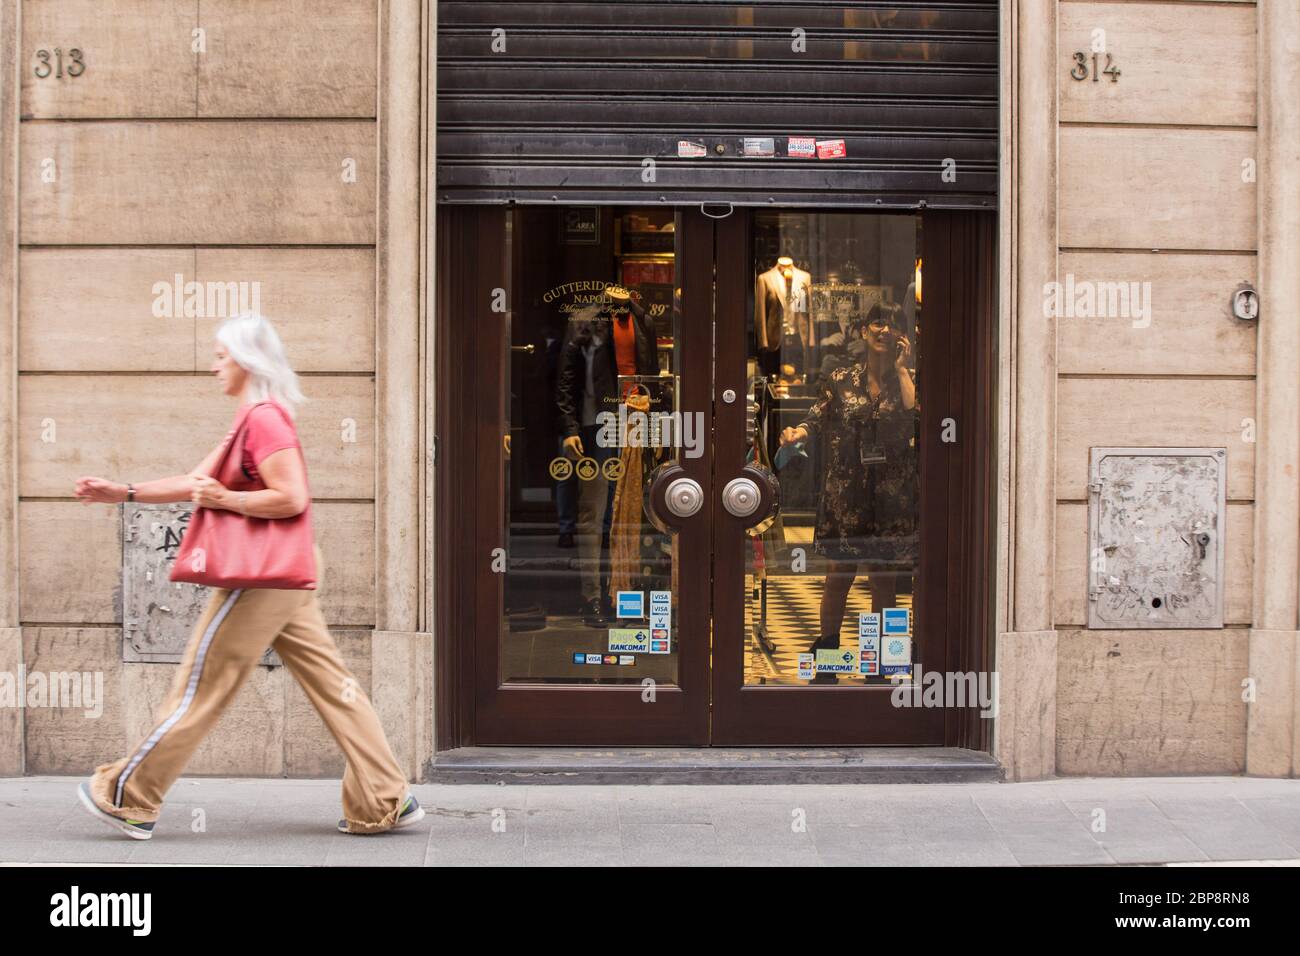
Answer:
(239, 623)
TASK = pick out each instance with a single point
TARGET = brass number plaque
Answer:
(51, 63)
(1080, 70)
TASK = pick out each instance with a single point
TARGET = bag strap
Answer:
(236, 438)
(243, 432)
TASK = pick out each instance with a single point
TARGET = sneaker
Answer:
(412, 812)
(135, 829)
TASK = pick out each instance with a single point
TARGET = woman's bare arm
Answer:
(285, 495)
(156, 491)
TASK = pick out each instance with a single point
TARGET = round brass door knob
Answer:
(741, 497)
(684, 497)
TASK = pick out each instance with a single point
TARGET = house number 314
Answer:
(1080, 70)
(76, 65)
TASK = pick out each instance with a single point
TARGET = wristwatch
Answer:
(130, 491)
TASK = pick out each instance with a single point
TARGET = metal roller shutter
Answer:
(588, 101)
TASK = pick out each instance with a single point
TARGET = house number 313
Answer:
(1080, 70)
(76, 65)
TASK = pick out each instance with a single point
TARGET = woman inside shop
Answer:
(867, 515)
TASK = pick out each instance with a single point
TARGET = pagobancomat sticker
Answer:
(629, 640)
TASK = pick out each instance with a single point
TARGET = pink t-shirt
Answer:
(268, 431)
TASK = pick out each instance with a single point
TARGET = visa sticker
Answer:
(807, 667)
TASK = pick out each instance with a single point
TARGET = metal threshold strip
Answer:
(712, 765)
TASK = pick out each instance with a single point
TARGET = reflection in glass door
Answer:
(698, 469)
(593, 412)
(833, 413)
(575, 361)
(820, 600)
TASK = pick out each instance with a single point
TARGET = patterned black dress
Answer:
(868, 511)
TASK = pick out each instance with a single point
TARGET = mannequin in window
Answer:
(614, 338)
(867, 514)
(781, 304)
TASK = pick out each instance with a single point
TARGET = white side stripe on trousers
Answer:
(196, 671)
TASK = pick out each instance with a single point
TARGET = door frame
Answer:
(959, 252)
(473, 705)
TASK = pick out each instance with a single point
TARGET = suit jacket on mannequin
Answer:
(773, 306)
(571, 384)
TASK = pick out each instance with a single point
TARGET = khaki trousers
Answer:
(230, 638)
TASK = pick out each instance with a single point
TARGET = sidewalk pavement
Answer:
(1070, 821)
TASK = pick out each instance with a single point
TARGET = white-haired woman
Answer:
(239, 624)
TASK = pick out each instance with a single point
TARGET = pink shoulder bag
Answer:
(225, 549)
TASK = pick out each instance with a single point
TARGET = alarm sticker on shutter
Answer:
(689, 149)
(801, 147)
(831, 149)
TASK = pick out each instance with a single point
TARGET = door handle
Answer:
(672, 497)
(741, 497)
(683, 497)
(754, 496)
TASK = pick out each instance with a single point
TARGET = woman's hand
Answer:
(573, 447)
(207, 492)
(904, 352)
(791, 435)
(91, 489)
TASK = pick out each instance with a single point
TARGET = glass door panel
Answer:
(576, 344)
(819, 582)
(833, 405)
(593, 411)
